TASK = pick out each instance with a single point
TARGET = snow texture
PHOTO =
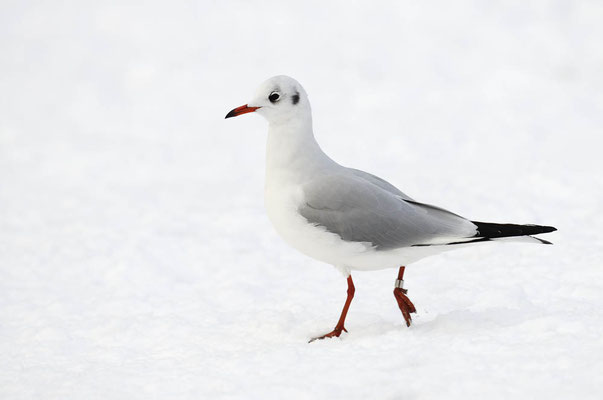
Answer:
(136, 259)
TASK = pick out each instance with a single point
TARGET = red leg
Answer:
(339, 327)
(404, 302)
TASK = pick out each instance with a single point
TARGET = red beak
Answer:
(241, 110)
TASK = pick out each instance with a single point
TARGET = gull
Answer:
(347, 217)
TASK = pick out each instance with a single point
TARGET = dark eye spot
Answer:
(295, 98)
(274, 97)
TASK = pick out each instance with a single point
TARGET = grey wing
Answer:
(359, 211)
(382, 183)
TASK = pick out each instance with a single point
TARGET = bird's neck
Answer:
(292, 152)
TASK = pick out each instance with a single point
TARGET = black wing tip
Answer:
(550, 229)
(493, 230)
(542, 228)
(542, 240)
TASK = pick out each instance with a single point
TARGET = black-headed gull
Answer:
(346, 217)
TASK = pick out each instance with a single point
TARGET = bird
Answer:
(346, 217)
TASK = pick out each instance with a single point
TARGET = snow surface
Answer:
(136, 259)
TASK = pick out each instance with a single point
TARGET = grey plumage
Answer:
(360, 207)
(382, 183)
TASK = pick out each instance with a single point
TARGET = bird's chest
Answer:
(282, 200)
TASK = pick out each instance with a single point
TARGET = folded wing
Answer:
(358, 210)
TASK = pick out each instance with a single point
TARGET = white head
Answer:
(278, 99)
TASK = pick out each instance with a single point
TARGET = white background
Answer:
(136, 260)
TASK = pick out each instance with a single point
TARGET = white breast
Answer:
(282, 200)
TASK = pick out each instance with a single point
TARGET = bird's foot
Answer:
(405, 304)
(335, 333)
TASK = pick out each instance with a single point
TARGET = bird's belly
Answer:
(282, 204)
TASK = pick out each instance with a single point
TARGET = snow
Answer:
(136, 259)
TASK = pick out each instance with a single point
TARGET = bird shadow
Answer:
(459, 321)
(449, 323)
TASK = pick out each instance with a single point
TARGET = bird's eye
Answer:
(274, 96)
